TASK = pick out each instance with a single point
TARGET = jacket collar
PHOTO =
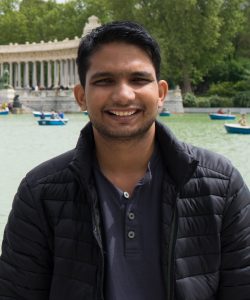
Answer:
(177, 156)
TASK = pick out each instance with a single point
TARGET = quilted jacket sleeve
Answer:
(235, 242)
(25, 263)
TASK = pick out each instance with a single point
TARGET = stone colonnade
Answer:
(41, 73)
(44, 65)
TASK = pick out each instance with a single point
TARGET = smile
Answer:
(122, 113)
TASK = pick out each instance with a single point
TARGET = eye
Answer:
(141, 80)
(103, 82)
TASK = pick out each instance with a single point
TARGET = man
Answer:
(131, 212)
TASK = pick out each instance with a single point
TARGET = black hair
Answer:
(117, 31)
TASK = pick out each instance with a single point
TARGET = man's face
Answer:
(121, 93)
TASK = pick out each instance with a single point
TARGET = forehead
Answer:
(119, 54)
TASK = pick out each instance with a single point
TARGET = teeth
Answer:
(123, 113)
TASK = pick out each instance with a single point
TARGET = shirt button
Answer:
(126, 195)
(131, 216)
(131, 234)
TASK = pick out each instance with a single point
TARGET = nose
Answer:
(123, 93)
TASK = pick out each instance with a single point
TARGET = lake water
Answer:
(24, 144)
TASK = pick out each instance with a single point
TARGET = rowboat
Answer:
(237, 128)
(216, 116)
(4, 112)
(52, 122)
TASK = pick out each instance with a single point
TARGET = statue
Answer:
(4, 80)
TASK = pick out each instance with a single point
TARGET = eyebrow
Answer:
(110, 74)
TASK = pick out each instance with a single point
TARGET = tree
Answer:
(13, 28)
(199, 34)
(8, 5)
(242, 40)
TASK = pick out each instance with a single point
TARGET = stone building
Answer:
(28, 63)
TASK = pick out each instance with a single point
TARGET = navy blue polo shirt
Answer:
(132, 236)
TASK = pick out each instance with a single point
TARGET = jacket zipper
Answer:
(97, 235)
(171, 259)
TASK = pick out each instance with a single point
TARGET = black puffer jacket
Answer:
(52, 247)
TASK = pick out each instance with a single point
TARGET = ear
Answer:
(163, 91)
(80, 96)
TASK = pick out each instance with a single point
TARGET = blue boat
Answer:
(39, 113)
(164, 113)
(217, 116)
(237, 128)
(85, 112)
(4, 112)
(52, 122)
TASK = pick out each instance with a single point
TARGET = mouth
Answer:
(122, 113)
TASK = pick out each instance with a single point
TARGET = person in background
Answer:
(220, 111)
(53, 115)
(131, 212)
(243, 121)
(61, 115)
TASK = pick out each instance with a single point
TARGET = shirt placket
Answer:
(131, 234)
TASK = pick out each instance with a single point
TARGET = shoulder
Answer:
(51, 168)
(216, 173)
(210, 161)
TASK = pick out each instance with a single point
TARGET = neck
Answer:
(124, 163)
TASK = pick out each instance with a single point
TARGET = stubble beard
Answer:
(123, 135)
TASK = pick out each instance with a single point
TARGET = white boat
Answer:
(217, 116)
(237, 128)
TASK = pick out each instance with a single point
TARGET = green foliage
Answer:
(242, 40)
(203, 103)
(228, 89)
(242, 99)
(243, 85)
(8, 6)
(222, 89)
(229, 70)
(217, 101)
(190, 100)
(200, 33)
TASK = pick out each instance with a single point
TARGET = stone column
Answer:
(49, 73)
(15, 75)
(66, 73)
(34, 75)
(11, 74)
(1, 69)
(26, 74)
(42, 74)
(56, 77)
(19, 83)
(72, 81)
(76, 73)
(62, 82)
